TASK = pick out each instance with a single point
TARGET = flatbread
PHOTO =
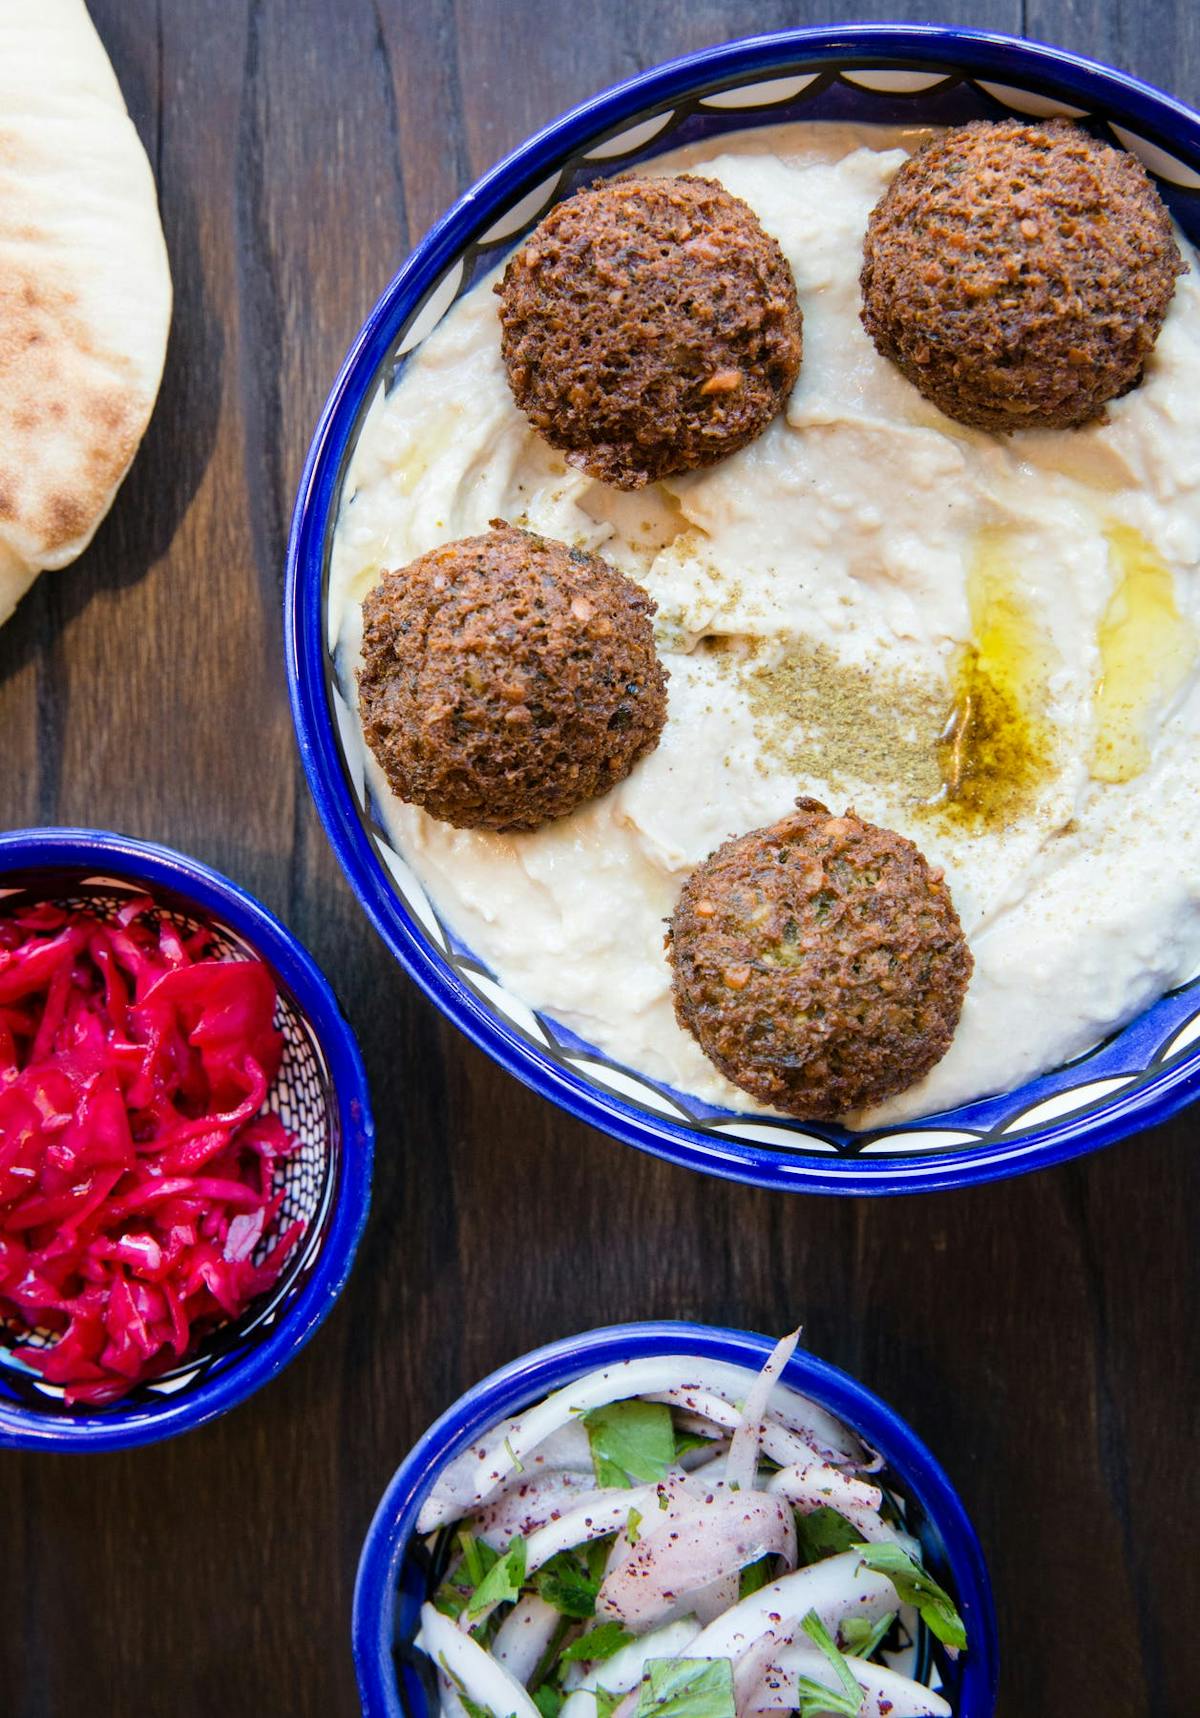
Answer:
(85, 289)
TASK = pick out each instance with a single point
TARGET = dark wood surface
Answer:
(1039, 1334)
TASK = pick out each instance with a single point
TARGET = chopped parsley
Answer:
(503, 1581)
(632, 1441)
(564, 1583)
(685, 1441)
(686, 1688)
(632, 1524)
(603, 1641)
(823, 1534)
(815, 1697)
(754, 1577)
(863, 1638)
(917, 1588)
(477, 1558)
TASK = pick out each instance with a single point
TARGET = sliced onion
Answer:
(887, 1692)
(529, 1503)
(676, 1498)
(817, 1485)
(751, 1670)
(600, 1513)
(715, 1537)
(464, 1660)
(568, 1448)
(523, 1636)
(742, 1466)
(475, 1475)
(836, 1588)
(782, 1443)
(580, 1703)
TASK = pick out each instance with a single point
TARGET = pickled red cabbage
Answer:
(137, 1162)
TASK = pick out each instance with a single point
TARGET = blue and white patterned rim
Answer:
(886, 73)
(241, 1357)
(390, 1587)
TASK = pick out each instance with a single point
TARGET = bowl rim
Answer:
(164, 868)
(977, 53)
(543, 1369)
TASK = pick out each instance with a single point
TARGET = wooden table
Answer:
(1039, 1334)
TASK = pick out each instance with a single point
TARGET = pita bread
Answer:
(85, 289)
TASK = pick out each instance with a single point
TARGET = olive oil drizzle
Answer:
(996, 747)
(1147, 650)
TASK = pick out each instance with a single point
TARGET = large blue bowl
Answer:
(320, 1094)
(391, 1585)
(889, 73)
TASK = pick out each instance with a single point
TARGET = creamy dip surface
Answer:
(829, 599)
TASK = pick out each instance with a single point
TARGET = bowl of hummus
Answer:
(988, 643)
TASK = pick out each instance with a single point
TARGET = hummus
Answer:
(989, 644)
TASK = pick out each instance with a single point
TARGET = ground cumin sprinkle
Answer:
(829, 720)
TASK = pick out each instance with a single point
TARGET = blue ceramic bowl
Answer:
(887, 73)
(320, 1094)
(391, 1584)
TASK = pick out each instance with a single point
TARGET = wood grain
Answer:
(1039, 1334)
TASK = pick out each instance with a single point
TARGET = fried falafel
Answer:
(649, 326)
(819, 962)
(1018, 273)
(507, 679)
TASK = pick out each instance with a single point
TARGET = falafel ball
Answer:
(649, 326)
(506, 679)
(820, 962)
(1018, 273)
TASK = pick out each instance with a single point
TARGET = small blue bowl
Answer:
(886, 73)
(320, 1094)
(391, 1585)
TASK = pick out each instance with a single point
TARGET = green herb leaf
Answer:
(606, 1703)
(817, 1701)
(823, 1534)
(633, 1522)
(602, 1642)
(472, 1707)
(450, 1601)
(631, 1441)
(686, 1688)
(477, 1558)
(917, 1588)
(862, 1638)
(815, 1697)
(513, 1457)
(596, 1557)
(566, 1585)
(503, 1581)
(685, 1441)
(548, 1700)
(754, 1577)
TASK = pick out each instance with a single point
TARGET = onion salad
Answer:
(674, 1537)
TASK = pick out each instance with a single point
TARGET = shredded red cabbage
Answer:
(137, 1166)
